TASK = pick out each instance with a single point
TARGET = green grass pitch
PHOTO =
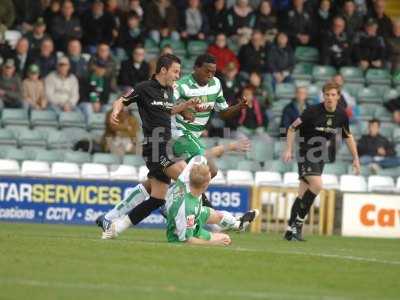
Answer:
(40, 262)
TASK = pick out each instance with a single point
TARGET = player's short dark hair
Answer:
(166, 61)
(374, 120)
(331, 86)
(204, 59)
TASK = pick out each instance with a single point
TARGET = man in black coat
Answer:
(374, 148)
(134, 69)
(335, 48)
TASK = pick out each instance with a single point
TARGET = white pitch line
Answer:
(326, 255)
(166, 289)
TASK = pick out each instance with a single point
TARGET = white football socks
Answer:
(228, 221)
(136, 196)
(122, 224)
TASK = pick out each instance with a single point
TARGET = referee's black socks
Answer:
(301, 206)
(144, 209)
(294, 211)
(306, 202)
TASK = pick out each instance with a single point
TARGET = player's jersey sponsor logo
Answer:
(326, 129)
(190, 221)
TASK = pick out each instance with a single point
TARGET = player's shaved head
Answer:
(200, 176)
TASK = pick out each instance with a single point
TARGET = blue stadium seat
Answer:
(15, 116)
(72, 119)
(7, 137)
(46, 118)
(106, 158)
(352, 74)
(77, 157)
(133, 160)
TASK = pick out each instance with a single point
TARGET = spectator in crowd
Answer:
(299, 25)
(266, 20)
(240, 20)
(7, 13)
(223, 55)
(166, 49)
(112, 7)
(294, 109)
(393, 43)
(161, 20)
(216, 14)
(97, 90)
(37, 35)
(252, 56)
(194, 22)
(47, 58)
(10, 86)
(280, 59)
(323, 18)
(230, 86)
(65, 26)
(121, 139)
(135, 69)
(51, 12)
(103, 53)
(335, 48)
(394, 107)
(26, 13)
(376, 150)
(97, 26)
(21, 56)
(255, 82)
(251, 119)
(362, 7)
(33, 92)
(5, 48)
(131, 34)
(134, 6)
(370, 48)
(79, 65)
(62, 87)
(384, 22)
(352, 18)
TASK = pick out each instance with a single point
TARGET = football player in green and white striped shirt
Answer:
(204, 86)
(186, 216)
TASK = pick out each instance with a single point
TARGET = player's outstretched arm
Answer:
(241, 145)
(351, 144)
(184, 106)
(234, 110)
(217, 239)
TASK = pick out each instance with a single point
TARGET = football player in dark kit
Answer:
(318, 127)
(155, 102)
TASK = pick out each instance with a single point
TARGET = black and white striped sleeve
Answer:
(130, 96)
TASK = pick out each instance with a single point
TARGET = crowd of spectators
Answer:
(73, 54)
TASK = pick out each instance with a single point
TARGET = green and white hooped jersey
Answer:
(183, 209)
(211, 96)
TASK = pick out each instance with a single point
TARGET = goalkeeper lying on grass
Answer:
(186, 217)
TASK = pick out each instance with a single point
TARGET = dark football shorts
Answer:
(308, 168)
(157, 161)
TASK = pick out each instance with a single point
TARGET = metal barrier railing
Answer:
(274, 204)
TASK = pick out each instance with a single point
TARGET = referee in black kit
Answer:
(318, 127)
(155, 102)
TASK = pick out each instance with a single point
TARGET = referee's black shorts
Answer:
(308, 168)
(157, 161)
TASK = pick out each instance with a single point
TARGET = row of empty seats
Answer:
(48, 118)
(231, 177)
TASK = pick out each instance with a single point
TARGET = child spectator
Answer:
(33, 92)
